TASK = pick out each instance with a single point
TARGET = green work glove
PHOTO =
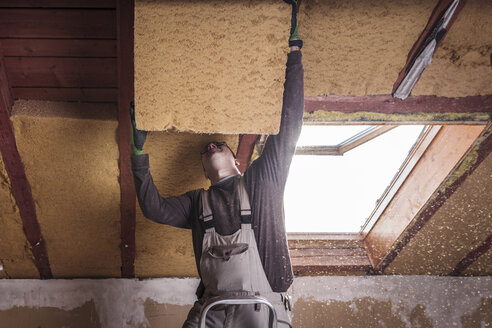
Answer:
(294, 39)
(137, 136)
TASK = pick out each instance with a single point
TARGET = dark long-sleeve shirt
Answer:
(265, 182)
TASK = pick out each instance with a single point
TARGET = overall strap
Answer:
(206, 216)
(244, 202)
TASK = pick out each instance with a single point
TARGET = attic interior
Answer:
(76, 250)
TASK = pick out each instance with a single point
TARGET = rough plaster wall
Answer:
(72, 167)
(84, 316)
(176, 168)
(457, 228)
(210, 66)
(358, 47)
(15, 254)
(462, 64)
(383, 301)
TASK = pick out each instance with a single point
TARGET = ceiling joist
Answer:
(21, 189)
(125, 96)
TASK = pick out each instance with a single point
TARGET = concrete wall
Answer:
(382, 301)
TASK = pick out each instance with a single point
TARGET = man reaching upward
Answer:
(238, 228)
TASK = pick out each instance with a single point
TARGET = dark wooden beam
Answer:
(58, 23)
(68, 94)
(436, 15)
(471, 257)
(61, 72)
(245, 150)
(58, 48)
(58, 4)
(6, 97)
(21, 190)
(125, 16)
(386, 104)
(484, 144)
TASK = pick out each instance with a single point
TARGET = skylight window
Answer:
(339, 173)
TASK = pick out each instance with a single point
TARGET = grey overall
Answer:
(230, 265)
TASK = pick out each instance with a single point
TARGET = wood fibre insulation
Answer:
(72, 166)
(461, 66)
(175, 165)
(210, 66)
(15, 254)
(358, 47)
(457, 228)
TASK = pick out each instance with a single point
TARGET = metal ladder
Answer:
(236, 300)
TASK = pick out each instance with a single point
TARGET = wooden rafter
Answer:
(471, 257)
(21, 188)
(125, 96)
(386, 104)
(436, 15)
(245, 150)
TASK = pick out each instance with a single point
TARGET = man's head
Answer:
(218, 161)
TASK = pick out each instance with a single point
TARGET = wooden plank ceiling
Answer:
(60, 50)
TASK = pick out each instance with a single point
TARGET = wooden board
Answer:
(61, 72)
(58, 48)
(53, 23)
(58, 3)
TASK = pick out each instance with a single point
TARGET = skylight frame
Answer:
(346, 145)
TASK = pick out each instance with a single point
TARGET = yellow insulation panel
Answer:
(210, 66)
(72, 167)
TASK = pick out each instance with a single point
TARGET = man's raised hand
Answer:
(138, 136)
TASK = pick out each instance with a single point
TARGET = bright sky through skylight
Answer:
(338, 193)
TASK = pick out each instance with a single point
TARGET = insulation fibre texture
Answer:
(358, 47)
(461, 66)
(15, 255)
(175, 165)
(72, 167)
(210, 66)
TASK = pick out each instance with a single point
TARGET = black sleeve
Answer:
(274, 163)
(174, 211)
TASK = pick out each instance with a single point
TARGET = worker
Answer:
(238, 227)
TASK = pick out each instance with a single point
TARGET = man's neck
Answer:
(221, 175)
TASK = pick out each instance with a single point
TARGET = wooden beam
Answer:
(484, 148)
(6, 97)
(436, 15)
(61, 72)
(58, 48)
(472, 257)
(58, 4)
(58, 23)
(334, 253)
(386, 104)
(245, 150)
(21, 190)
(125, 17)
(99, 95)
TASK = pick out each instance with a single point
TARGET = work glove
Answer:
(138, 136)
(294, 39)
